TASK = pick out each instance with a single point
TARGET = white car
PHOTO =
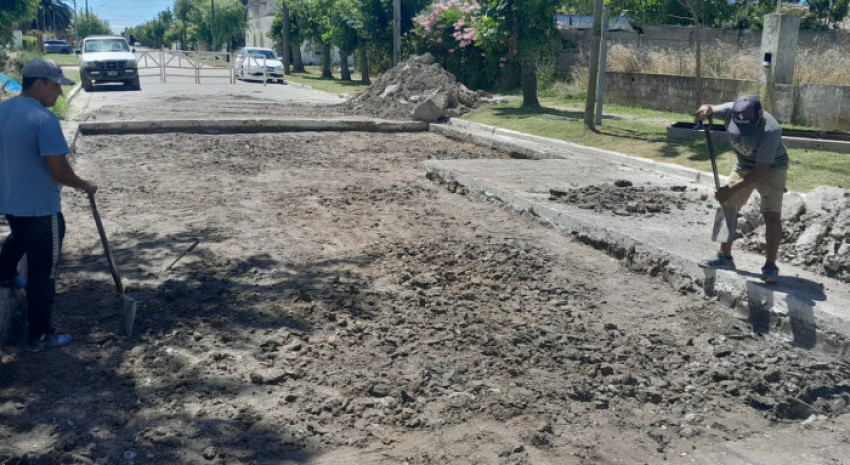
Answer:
(258, 63)
(107, 59)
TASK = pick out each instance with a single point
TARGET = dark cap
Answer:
(746, 112)
(40, 68)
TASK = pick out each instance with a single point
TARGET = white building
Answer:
(260, 17)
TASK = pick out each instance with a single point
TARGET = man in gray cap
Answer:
(762, 165)
(33, 167)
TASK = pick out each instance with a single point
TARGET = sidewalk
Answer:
(808, 309)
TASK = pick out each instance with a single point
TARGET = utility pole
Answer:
(590, 100)
(285, 45)
(212, 25)
(603, 61)
(396, 31)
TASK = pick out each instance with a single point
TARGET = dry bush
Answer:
(816, 66)
(829, 67)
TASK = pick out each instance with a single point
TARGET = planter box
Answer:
(832, 141)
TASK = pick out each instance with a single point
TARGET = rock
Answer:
(268, 376)
(390, 90)
(431, 109)
(793, 409)
(209, 453)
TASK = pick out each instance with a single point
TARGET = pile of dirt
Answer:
(417, 88)
(624, 199)
(816, 231)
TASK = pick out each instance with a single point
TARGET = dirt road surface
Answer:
(341, 308)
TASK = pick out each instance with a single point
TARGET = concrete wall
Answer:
(680, 37)
(257, 33)
(819, 106)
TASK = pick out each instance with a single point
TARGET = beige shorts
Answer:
(771, 188)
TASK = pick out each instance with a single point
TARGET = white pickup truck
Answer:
(107, 59)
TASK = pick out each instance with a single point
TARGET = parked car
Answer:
(57, 46)
(258, 63)
(107, 59)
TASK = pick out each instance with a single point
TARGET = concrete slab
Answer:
(250, 125)
(809, 309)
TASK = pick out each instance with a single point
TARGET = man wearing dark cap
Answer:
(33, 167)
(762, 165)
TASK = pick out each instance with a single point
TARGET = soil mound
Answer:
(816, 231)
(418, 88)
(624, 199)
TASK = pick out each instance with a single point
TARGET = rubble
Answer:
(418, 88)
(816, 230)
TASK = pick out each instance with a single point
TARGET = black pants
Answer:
(40, 238)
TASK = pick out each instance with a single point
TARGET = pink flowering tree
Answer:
(455, 32)
(490, 42)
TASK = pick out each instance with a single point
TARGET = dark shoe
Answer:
(770, 274)
(49, 341)
(14, 283)
(719, 261)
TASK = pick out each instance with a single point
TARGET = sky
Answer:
(123, 13)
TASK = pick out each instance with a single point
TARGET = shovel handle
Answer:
(119, 286)
(711, 155)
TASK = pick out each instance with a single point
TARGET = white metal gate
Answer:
(181, 65)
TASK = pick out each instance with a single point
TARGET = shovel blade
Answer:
(129, 311)
(725, 224)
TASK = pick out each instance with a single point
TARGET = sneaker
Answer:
(15, 283)
(719, 261)
(770, 274)
(49, 341)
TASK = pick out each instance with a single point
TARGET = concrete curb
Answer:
(241, 126)
(537, 147)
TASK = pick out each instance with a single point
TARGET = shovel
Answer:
(725, 218)
(128, 304)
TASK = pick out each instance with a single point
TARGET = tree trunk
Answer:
(285, 40)
(364, 64)
(326, 62)
(297, 63)
(344, 73)
(528, 82)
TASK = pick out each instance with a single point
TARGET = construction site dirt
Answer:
(336, 306)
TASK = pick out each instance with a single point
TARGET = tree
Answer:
(229, 22)
(53, 15)
(15, 12)
(529, 27)
(87, 24)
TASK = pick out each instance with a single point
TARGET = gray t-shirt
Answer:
(29, 133)
(764, 146)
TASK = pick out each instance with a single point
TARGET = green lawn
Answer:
(643, 133)
(63, 59)
(313, 78)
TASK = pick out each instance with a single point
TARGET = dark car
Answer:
(57, 46)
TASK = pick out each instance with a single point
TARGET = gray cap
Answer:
(746, 112)
(45, 69)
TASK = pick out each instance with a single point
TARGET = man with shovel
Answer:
(33, 167)
(762, 165)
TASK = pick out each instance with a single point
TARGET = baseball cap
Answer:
(745, 115)
(45, 69)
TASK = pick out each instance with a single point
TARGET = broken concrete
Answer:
(811, 308)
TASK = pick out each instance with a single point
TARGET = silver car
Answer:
(57, 46)
(258, 63)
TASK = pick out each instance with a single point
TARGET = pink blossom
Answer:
(451, 50)
(501, 65)
(439, 40)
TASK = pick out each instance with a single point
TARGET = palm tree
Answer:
(53, 15)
